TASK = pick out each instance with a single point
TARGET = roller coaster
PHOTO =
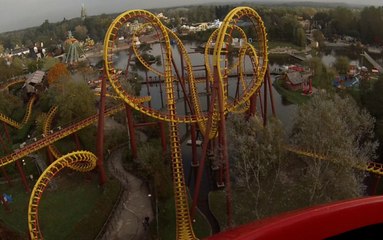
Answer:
(224, 96)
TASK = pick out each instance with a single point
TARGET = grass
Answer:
(167, 223)
(77, 209)
(291, 96)
(217, 201)
(275, 44)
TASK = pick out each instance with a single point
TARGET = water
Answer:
(284, 110)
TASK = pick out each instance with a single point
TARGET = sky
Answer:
(19, 14)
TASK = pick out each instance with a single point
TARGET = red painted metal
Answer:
(4, 172)
(268, 81)
(163, 137)
(145, 124)
(77, 141)
(23, 178)
(265, 101)
(100, 134)
(223, 148)
(204, 155)
(132, 134)
(7, 132)
(50, 156)
(314, 223)
(375, 185)
(193, 144)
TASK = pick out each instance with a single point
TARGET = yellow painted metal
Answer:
(137, 52)
(48, 140)
(82, 161)
(9, 83)
(27, 115)
(184, 228)
(372, 167)
(258, 57)
(47, 127)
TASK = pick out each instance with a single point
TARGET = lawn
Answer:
(217, 202)
(167, 223)
(291, 96)
(75, 208)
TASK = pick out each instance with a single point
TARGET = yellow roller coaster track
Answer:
(372, 167)
(183, 223)
(27, 114)
(82, 161)
(138, 55)
(47, 127)
(51, 138)
(257, 55)
(9, 83)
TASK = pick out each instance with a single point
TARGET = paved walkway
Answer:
(127, 222)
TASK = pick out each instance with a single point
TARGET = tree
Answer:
(269, 180)
(319, 37)
(301, 37)
(342, 64)
(257, 159)
(75, 100)
(372, 99)
(1, 49)
(48, 63)
(337, 128)
(81, 32)
(57, 72)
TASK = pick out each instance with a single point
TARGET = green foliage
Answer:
(372, 99)
(257, 161)
(269, 180)
(334, 127)
(153, 166)
(322, 77)
(9, 103)
(76, 204)
(300, 37)
(48, 63)
(370, 19)
(342, 64)
(74, 98)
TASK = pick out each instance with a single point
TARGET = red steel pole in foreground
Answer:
(100, 133)
(222, 135)
(132, 134)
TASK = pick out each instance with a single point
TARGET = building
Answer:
(34, 82)
(295, 81)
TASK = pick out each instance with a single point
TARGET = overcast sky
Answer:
(18, 14)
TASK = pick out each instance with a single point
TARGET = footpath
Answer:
(128, 220)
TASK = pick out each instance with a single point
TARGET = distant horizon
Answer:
(56, 10)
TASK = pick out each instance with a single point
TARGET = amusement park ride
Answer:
(204, 107)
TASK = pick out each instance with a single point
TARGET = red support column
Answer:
(77, 141)
(6, 132)
(253, 104)
(6, 176)
(23, 178)
(5, 150)
(260, 103)
(100, 133)
(163, 137)
(204, 153)
(224, 150)
(271, 92)
(375, 185)
(194, 145)
(51, 158)
(265, 102)
(132, 134)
